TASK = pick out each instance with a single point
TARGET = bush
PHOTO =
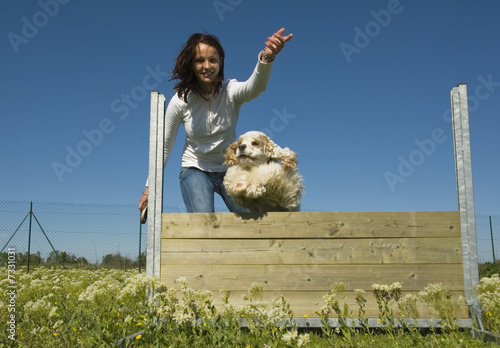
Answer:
(84, 308)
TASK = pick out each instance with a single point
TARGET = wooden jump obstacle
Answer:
(300, 255)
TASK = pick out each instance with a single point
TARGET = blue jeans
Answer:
(198, 188)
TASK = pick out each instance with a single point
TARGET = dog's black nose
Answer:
(242, 147)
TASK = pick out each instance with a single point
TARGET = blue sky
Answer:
(362, 87)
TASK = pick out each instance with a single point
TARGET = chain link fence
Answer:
(110, 235)
(488, 238)
(74, 235)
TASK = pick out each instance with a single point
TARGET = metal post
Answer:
(140, 238)
(492, 242)
(465, 193)
(155, 183)
(29, 238)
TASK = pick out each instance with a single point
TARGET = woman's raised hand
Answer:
(276, 42)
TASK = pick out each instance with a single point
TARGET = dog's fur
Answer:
(257, 180)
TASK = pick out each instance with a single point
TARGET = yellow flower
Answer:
(55, 303)
(56, 334)
(205, 324)
(138, 324)
(305, 315)
(118, 314)
(489, 314)
(144, 316)
(138, 337)
(74, 329)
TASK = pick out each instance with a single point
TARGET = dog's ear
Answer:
(231, 159)
(286, 156)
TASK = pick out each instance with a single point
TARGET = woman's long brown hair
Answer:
(183, 70)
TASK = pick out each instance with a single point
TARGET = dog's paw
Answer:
(240, 187)
(256, 191)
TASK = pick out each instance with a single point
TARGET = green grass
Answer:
(96, 308)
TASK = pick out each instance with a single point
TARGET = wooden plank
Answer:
(307, 304)
(301, 255)
(313, 277)
(312, 225)
(311, 251)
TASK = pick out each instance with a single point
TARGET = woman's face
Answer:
(206, 65)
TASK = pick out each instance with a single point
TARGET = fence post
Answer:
(465, 193)
(492, 242)
(29, 238)
(155, 184)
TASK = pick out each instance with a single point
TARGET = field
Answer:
(51, 307)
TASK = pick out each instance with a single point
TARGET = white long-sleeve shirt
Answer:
(211, 124)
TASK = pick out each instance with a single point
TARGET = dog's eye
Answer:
(255, 143)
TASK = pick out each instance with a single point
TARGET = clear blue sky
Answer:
(358, 91)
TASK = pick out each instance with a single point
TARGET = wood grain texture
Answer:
(303, 254)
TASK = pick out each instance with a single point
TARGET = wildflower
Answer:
(74, 329)
(138, 324)
(56, 334)
(303, 340)
(305, 315)
(290, 337)
(53, 312)
(138, 337)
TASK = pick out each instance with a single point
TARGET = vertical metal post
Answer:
(140, 239)
(492, 242)
(465, 193)
(29, 238)
(155, 183)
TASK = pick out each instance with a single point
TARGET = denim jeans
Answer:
(198, 188)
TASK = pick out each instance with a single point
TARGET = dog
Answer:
(262, 177)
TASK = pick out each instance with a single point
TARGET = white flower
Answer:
(303, 340)
(290, 337)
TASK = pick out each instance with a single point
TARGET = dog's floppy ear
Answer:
(231, 159)
(286, 156)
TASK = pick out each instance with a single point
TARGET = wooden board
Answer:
(303, 254)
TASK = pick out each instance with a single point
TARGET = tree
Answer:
(117, 261)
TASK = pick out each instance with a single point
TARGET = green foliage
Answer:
(84, 308)
(63, 258)
(488, 269)
(489, 296)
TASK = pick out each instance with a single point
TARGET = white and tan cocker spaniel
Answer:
(262, 176)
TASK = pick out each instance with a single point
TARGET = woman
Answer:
(208, 106)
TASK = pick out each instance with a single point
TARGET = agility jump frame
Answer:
(300, 255)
